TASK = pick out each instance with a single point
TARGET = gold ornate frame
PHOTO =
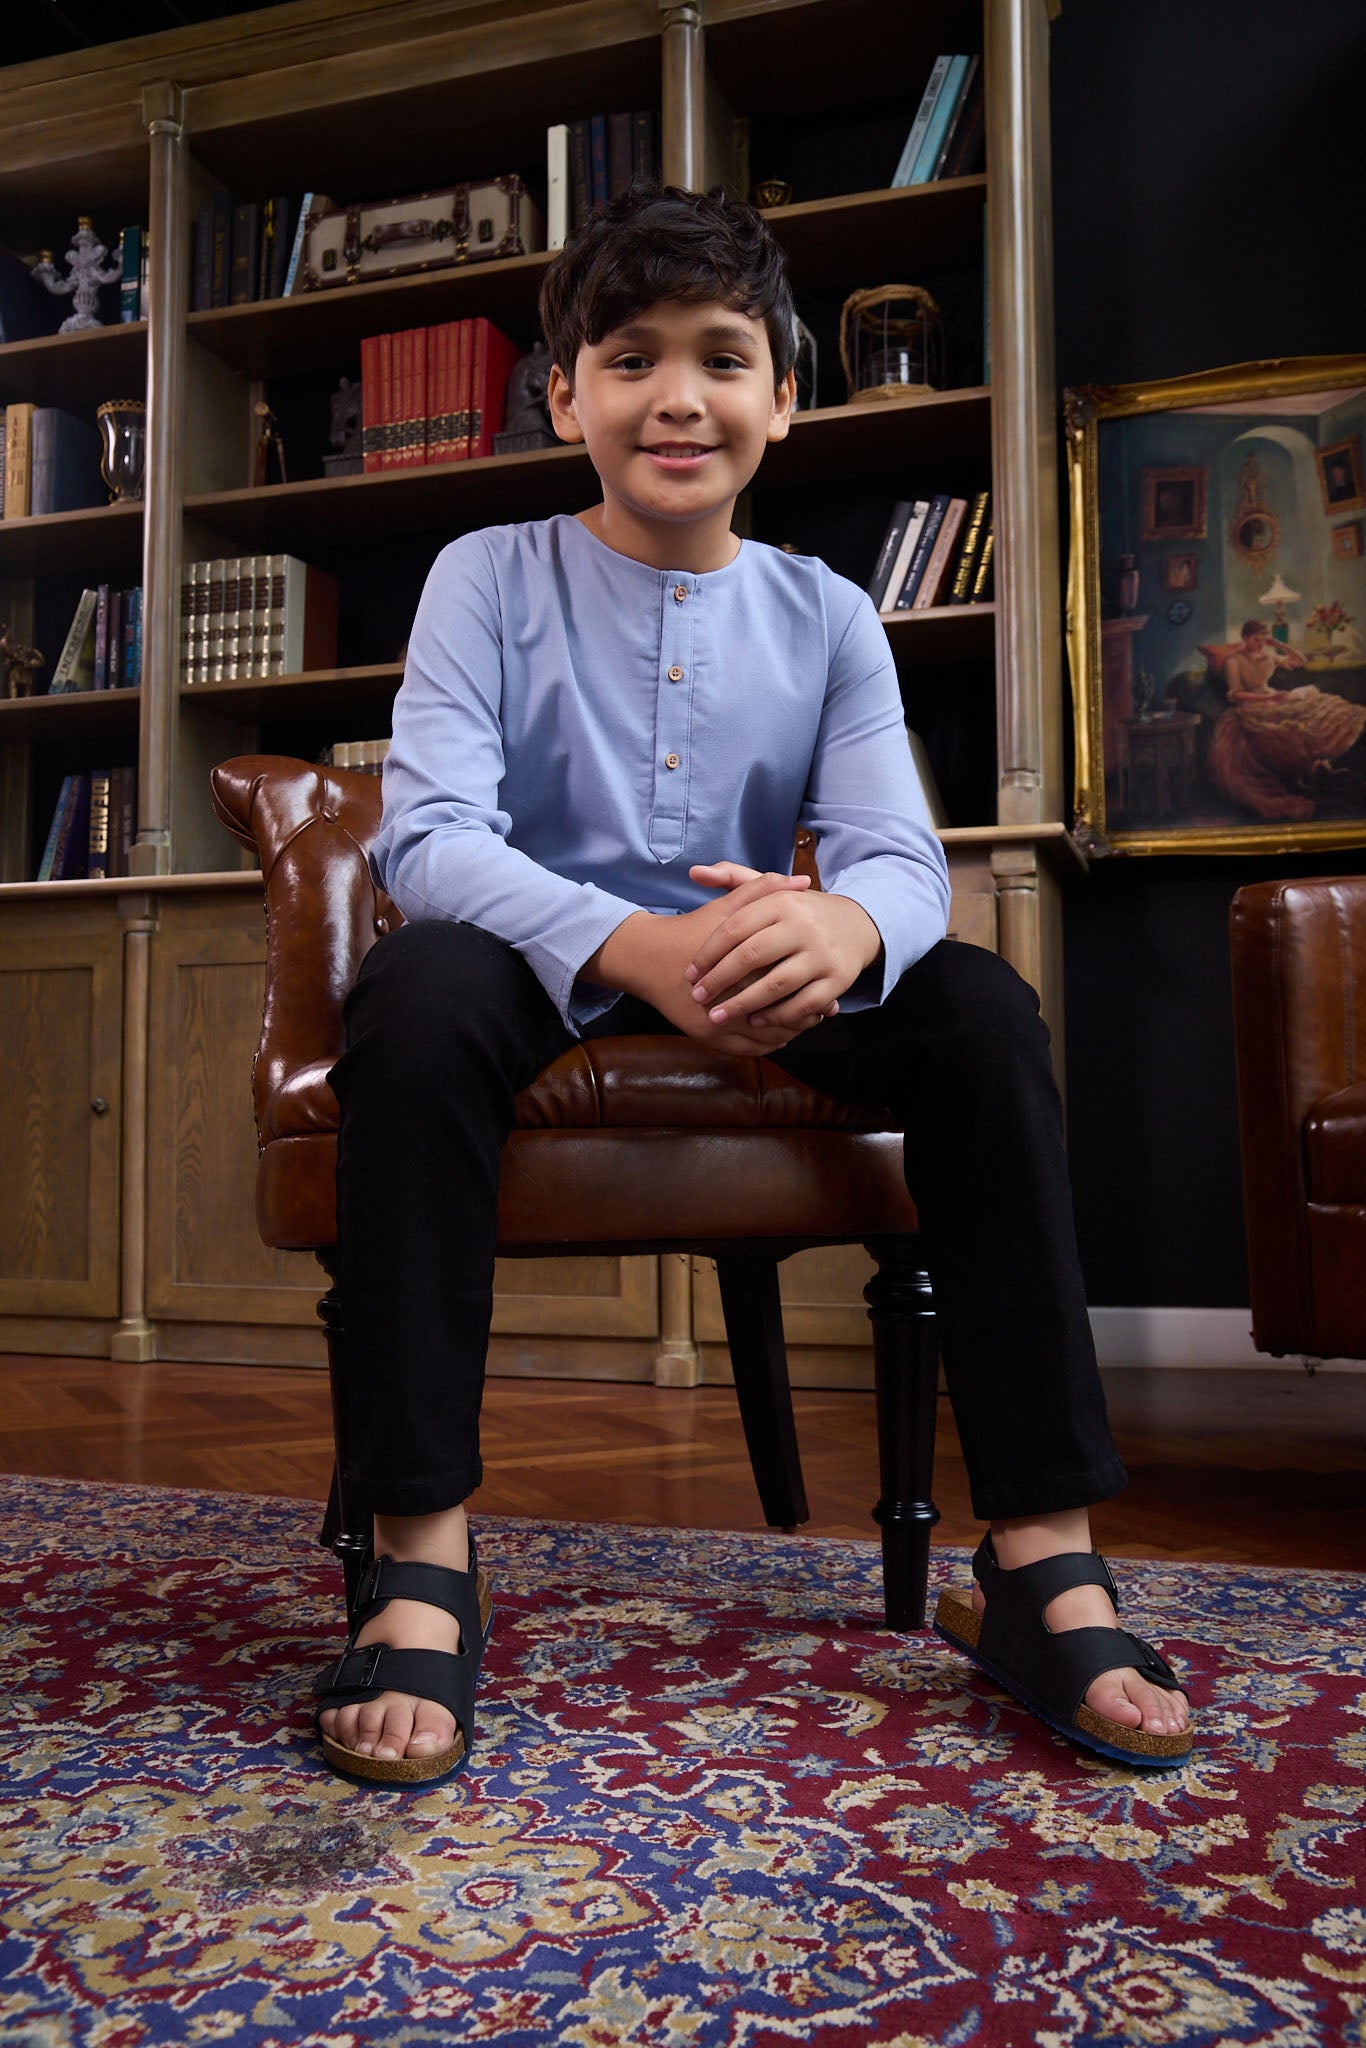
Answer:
(1085, 408)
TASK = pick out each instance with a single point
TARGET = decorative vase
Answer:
(123, 457)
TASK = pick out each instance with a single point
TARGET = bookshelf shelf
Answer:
(831, 241)
(76, 370)
(75, 718)
(102, 543)
(315, 690)
(942, 632)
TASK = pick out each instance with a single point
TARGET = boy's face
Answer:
(676, 408)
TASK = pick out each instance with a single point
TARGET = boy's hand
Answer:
(646, 956)
(780, 959)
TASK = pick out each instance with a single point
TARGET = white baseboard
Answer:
(1189, 1337)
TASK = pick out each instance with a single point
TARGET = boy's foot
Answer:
(400, 1724)
(1040, 1619)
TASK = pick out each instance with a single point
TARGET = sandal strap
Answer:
(1060, 1665)
(436, 1585)
(361, 1674)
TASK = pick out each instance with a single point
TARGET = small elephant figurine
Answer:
(21, 665)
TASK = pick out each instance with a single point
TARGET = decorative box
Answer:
(468, 223)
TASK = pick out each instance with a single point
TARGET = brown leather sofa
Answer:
(644, 1144)
(1299, 992)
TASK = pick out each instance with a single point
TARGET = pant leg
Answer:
(959, 1054)
(445, 1024)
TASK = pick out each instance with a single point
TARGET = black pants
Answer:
(446, 1024)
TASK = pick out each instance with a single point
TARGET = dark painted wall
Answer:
(1208, 193)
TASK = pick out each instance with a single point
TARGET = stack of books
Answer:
(242, 250)
(365, 756)
(94, 823)
(433, 394)
(255, 615)
(936, 551)
(50, 461)
(103, 645)
(591, 161)
(948, 135)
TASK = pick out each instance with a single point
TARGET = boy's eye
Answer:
(631, 363)
(726, 362)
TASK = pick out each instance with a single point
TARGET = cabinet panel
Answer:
(60, 1002)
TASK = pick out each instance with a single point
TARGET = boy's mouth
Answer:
(677, 454)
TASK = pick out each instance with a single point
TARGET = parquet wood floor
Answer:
(1261, 1467)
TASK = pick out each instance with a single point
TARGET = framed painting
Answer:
(1219, 686)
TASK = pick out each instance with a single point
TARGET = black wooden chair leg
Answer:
(352, 1545)
(906, 1367)
(754, 1332)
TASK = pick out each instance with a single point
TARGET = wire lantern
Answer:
(891, 343)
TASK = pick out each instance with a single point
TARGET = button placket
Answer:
(673, 718)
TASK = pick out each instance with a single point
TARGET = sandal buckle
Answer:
(358, 1668)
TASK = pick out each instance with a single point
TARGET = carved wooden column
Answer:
(1023, 414)
(678, 1362)
(683, 117)
(168, 305)
(134, 1339)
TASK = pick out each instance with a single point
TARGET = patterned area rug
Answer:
(711, 1803)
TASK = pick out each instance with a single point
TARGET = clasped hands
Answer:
(749, 971)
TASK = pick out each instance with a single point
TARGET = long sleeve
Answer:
(443, 848)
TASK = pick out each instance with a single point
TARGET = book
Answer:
(932, 588)
(928, 101)
(18, 455)
(301, 622)
(920, 554)
(132, 638)
(144, 276)
(64, 462)
(102, 595)
(130, 284)
(902, 560)
(492, 360)
(597, 159)
(927, 156)
(370, 438)
(220, 250)
(296, 247)
(965, 145)
(97, 829)
(580, 171)
(232, 617)
(620, 154)
(645, 144)
(964, 569)
(114, 674)
(123, 818)
(201, 272)
(246, 249)
(982, 586)
(75, 668)
(61, 809)
(213, 626)
(2, 461)
(260, 613)
(460, 440)
(558, 193)
(878, 581)
(365, 757)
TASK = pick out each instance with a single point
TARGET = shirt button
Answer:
(671, 760)
(675, 675)
(680, 593)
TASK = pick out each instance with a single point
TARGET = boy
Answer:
(609, 729)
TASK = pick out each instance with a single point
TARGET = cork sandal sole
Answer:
(960, 1625)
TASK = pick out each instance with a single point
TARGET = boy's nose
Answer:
(678, 397)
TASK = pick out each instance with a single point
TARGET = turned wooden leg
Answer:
(351, 1545)
(906, 1366)
(754, 1332)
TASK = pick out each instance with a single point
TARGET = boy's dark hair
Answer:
(661, 242)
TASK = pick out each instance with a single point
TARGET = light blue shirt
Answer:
(575, 730)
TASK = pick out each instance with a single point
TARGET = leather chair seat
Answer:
(1335, 1148)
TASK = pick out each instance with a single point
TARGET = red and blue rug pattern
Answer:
(712, 1802)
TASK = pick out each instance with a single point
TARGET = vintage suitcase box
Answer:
(468, 223)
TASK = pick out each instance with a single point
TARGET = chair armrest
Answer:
(312, 829)
(1299, 1015)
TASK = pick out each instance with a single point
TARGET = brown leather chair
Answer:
(1299, 996)
(639, 1144)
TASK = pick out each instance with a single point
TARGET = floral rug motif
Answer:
(712, 1802)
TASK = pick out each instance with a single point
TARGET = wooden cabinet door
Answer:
(61, 1000)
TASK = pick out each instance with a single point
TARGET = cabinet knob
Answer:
(100, 1106)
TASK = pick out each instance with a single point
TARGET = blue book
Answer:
(601, 188)
(928, 101)
(130, 289)
(61, 810)
(65, 473)
(938, 126)
(300, 229)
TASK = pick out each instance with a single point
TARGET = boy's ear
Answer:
(784, 402)
(563, 417)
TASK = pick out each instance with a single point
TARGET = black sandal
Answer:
(1050, 1670)
(363, 1672)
